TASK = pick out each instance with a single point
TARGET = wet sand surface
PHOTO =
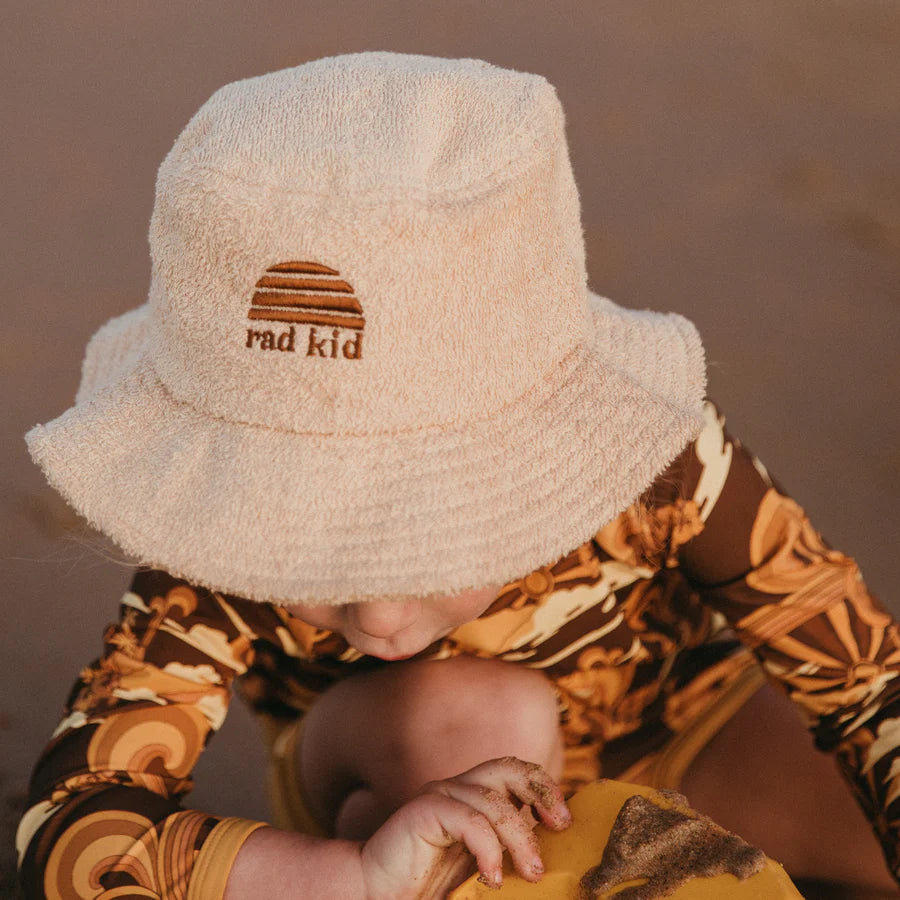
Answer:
(737, 163)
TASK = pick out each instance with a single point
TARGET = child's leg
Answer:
(371, 741)
(761, 777)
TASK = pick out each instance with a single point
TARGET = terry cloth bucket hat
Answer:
(370, 365)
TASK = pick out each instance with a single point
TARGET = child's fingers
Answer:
(528, 781)
(512, 830)
(442, 820)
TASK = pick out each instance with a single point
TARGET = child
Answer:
(394, 473)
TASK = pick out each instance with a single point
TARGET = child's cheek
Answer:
(327, 617)
(459, 610)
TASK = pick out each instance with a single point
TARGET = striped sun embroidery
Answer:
(306, 293)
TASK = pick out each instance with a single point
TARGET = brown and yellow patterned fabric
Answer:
(643, 630)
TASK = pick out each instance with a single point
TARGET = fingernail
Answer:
(491, 879)
(487, 880)
(537, 868)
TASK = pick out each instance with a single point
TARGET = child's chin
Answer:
(386, 651)
(388, 654)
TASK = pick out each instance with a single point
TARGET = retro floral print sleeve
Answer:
(645, 630)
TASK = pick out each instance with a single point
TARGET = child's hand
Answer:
(423, 850)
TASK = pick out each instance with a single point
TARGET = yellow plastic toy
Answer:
(662, 844)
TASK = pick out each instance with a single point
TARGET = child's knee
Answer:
(423, 721)
(463, 711)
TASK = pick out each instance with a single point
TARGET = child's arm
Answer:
(105, 807)
(752, 554)
(422, 851)
(105, 796)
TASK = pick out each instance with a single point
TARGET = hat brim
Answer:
(287, 517)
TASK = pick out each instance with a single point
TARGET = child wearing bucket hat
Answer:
(390, 469)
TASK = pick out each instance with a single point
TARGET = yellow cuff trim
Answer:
(216, 857)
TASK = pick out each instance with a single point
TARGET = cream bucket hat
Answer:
(369, 365)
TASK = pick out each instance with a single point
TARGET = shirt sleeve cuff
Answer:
(216, 857)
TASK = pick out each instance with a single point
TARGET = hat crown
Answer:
(377, 122)
(367, 244)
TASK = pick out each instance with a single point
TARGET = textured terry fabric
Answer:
(440, 190)
(274, 516)
(113, 351)
(469, 412)
(642, 630)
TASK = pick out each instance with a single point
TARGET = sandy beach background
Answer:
(737, 162)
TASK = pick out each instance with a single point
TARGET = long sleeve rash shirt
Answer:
(714, 571)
